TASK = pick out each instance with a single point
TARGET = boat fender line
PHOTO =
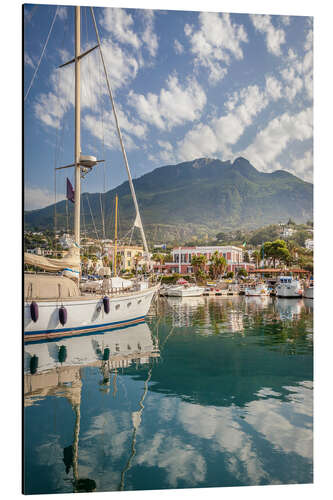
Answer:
(106, 354)
(34, 311)
(62, 354)
(33, 364)
(106, 303)
(63, 315)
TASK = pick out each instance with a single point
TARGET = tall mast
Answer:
(77, 150)
(115, 238)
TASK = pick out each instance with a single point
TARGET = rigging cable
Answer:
(138, 216)
(41, 56)
(92, 217)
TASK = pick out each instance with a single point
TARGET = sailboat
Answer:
(54, 305)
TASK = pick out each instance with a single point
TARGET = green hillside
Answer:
(192, 199)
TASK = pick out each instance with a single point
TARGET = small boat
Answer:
(186, 290)
(257, 290)
(288, 287)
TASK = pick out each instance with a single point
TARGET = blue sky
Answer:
(186, 85)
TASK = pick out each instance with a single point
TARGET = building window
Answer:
(129, 254)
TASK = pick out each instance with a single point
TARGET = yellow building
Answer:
(128, 255)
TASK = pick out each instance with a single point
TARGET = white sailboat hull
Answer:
(86, 314)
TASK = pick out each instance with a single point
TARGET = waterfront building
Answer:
(182, 257)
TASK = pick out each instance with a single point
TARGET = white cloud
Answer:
(62, 13)
(272, 141)
(105, 129)
(225, 131)
(297, 73)
(274, 37)
(119, 23)
(149, 37)
(28, 60)
(303, 167)
(122, 68)
(179, 49)
(285, 20)
(273, 88)
(175, 105)
(216, 42)
(35, 197)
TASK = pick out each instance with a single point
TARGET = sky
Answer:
(186, 84)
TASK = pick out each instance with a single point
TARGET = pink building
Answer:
(182, 257)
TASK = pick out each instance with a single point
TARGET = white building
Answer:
(309, 244)
(287, 232)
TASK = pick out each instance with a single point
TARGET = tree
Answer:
(242, 272)
(198, 263)
(220, 237)
(291, 222)
(276, 250)
(293, 249)
(256, 257)
(217, 265)
(246, 257)
(230, 274)
(301, 236)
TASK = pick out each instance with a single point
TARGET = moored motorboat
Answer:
(288, 287)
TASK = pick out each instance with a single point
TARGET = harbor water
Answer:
(208, 392)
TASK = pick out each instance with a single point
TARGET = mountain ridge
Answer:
(195, 198)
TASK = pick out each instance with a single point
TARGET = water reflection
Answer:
(211, 392)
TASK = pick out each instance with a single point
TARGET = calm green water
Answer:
(208, 392)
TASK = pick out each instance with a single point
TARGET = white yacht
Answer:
(54, 304)
(288, 287)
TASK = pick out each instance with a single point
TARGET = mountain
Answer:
(191, 199)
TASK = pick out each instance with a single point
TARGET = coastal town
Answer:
(229, 256)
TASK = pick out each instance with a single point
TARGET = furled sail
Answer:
(71, 261)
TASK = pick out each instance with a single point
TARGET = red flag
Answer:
(70, 191)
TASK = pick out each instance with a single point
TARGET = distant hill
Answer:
(192, 199)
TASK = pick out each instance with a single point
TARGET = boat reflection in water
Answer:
(54, 368)
(289, 309)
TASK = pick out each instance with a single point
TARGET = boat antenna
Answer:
(138, 222)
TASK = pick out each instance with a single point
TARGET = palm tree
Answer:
(198, 263)
(218, 265)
